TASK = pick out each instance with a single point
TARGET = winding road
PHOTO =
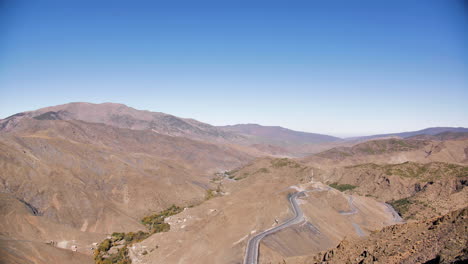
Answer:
(251, 253)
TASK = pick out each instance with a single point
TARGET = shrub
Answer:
(131, 237)
(155, 222)
(117, 236)
(342, 187)
(278, 163)
(243, 176)
(120, 257)
(210, 194)
(160, 227)
(231, 173)
(263, 170)
(401, 206)
(105, 245)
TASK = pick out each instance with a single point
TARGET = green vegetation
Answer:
(102, 256)
(387, 145)
(337, 153)
(262, 170)
(231, 173)
(117, 236)
(342, 187)
(278, 163)
(210, 193)
(402, 205)
(370, 151)
(244, 172)
(364, 166)
(132, 237)
(284, 162)
(217, 177)
(243, 176)
(373, 147)
(422, 172)
(121, 257)
(426, 172)
(105, 245)
(155, 224)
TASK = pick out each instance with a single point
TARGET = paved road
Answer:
(396, 217)
(351, 206)
(251, 254)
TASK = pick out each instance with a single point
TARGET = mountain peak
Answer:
(122, 116)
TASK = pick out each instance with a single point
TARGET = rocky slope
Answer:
(71, 175)
(254, 139)
(417, 190)
(438, 240)
(451, 148)
(122, 116)
(82, 181)
(254, 198)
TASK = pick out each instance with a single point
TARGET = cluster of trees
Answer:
(155, 224)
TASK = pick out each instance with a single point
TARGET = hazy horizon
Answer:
(343, 135)
(325, 67)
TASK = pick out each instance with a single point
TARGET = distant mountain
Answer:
(255, 139)
(76, 181)
(374, 147)
(449, 147)
(277, 134)
(448, 135)
(259, 140)
(428, 131)
(122, 116)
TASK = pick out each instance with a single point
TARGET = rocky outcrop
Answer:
(438, 240)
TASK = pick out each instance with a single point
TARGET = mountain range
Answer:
(272, 140)
(77, 175)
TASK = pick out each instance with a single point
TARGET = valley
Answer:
(233, 132)
(106, 183)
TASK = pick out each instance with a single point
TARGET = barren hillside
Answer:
(82, 180)
(438, 240)
(122, 116)
(252, 199)
(451, 149)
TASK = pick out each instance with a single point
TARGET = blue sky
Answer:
(340, 67)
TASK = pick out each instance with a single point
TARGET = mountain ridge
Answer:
(120, 115)
(426, 131)
(275, 132)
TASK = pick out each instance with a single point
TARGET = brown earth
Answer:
(273, 141)
(417, 190)
(83, 180)
(438, 240)
(122, 116)
(217, 230)
(72, 174)
(392, 151)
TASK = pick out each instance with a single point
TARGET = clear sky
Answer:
(340, 67)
